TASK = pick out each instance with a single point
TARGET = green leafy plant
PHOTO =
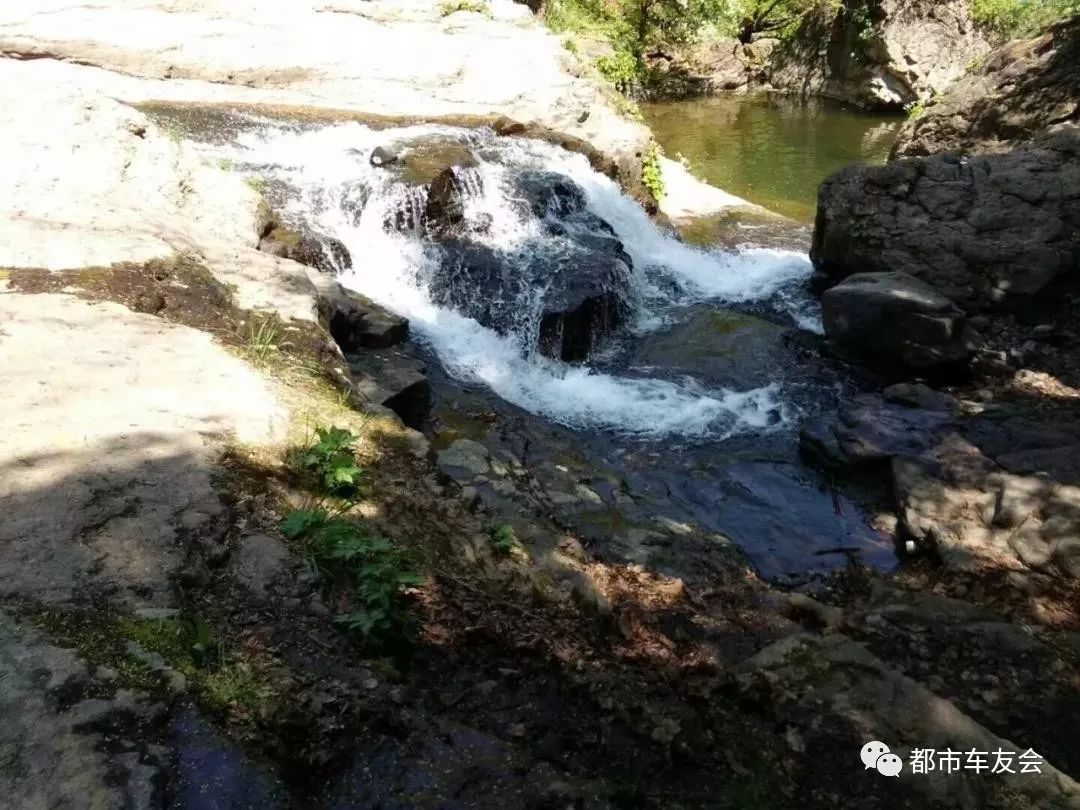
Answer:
(367, 575)
(622, 68)
(330, 462)
(504, 540)
(652, 175)
(1014, 18)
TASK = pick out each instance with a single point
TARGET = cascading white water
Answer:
(331, 170)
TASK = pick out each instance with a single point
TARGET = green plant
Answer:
(652, 175)
(367, 574)
(329, 461)
(448, 7)
(916, 110)
(622, 68)
(571, 46)
(264, 339)
(504, 540)
(1014, 18)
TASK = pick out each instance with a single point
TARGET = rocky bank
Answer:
(956, 264)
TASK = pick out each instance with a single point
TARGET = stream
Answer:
(643, 382)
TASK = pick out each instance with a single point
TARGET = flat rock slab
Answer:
(827, 687)
(113, 422)
(60, 748)
(391, 57)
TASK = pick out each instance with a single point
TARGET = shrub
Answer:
(367, 574)
(652, 175)
(504, 540)
(1014, 18)
(330, 464)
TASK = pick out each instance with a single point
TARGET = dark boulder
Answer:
(893, 320)
(444, 213)
(990, 232)
(383, 156)
(581, 291)
(394, 380)
(324, 253)
(356, 322)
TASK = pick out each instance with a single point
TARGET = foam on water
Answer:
(328, 165)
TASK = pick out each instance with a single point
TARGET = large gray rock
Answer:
(324, 253)
(894, 320)
(119, 417)
(1018, 91)
(393, 379)
(990, 232)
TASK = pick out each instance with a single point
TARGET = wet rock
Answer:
(990, 232)
(395, 380)
(717, 346)
(444, 214)
(355, 321)
(383, 156)
(212, 773)
(259, 561)
(583, 289)
(324, 253)
(917, 395)
(427, 160)
(894, 320)
(868, 430)
(550, 194)
(465, 455)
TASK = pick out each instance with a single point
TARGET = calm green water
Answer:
(770, 149)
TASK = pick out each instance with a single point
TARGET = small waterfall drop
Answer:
(379, 215)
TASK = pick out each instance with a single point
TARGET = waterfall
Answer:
(489, 336)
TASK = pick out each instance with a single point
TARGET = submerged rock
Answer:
(894, 320)
(719, 347)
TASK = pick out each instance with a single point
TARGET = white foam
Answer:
(391, 268)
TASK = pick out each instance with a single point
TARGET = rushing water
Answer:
(773, 150)
(699, 424)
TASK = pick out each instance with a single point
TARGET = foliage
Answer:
(651, 173)
(916, 110)
(369, 573)
(329, 462)
(1014, 18)
(622, 69)
(448, 7)
(504, 540)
